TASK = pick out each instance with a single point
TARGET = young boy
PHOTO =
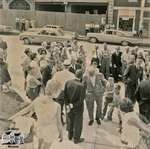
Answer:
(115, 103)
(131, 126)
(109, 92)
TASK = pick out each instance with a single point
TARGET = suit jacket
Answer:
(3, 45)
(4, 74)
(142, 95)
(74, 93)
(116, 59)
(99, 86)
(132, 74)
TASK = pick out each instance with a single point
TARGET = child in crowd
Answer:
(115, 103)
(132, 126)
(108, 94)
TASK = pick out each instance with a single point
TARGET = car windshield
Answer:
(109, 32)
(120, 33)
(53, 34)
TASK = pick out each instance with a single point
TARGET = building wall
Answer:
(76, 1)
(141, 9)
(70, 21)
(127, 3)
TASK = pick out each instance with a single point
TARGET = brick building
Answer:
(70, 6)
(132, 15)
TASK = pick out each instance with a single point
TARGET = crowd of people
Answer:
(58, 79)
(23, 24)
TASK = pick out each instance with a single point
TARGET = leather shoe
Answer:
(98, 121)
(79, 141)
(91, 122)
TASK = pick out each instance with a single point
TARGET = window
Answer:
(132, 0)
(53, 34)
(44, 32)
(120, 33)
(19, 4)
(109, 32)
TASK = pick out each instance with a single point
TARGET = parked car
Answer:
(8, 30)
(49, 26)
(45, 34)
(114, 36)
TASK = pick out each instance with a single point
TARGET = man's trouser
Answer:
(108, 100)
(60, 100)
(116, 72)
(130, 91)
(105, 67)
(90, 98)
(75, 124)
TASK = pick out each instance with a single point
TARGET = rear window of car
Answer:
(44, 32)
(109, 32)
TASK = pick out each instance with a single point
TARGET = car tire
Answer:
(124, 43)
(26, 41)
(93, 40)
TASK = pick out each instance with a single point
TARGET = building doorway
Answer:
(126, 23)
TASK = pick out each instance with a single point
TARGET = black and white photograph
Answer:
(75, 74)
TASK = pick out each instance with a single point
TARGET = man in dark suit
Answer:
(74, 94)
(5, 79)
(116, 64)
(142, 95)
(132, 76)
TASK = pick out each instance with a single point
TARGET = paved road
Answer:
(96, 137)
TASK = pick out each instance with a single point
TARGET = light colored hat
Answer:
(67, 62)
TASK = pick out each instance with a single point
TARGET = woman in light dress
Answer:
(48, 126)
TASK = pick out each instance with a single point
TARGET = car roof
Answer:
(52, 26)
